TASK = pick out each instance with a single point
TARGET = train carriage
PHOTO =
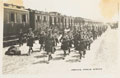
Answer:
(15, 18)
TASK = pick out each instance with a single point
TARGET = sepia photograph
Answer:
(60, 38)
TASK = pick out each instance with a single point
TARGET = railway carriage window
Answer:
(65, 21)
(71, 21)
(12, 17)
(55, 20)
(50, 20)
(38, 18)
(61, 19)
(44, 19)
(7, 16)
(23, 18)
(58, 20)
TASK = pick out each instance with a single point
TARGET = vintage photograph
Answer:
(60, 36)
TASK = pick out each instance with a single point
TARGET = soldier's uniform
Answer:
(30, 40)
(81, 46)
(94, 34)
(41, 40)
(49, 45)
(65, 45)
(75, 41)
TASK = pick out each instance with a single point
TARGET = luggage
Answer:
(13, 50)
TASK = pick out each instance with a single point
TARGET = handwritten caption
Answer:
(87, 69)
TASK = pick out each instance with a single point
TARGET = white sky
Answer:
(81, 8)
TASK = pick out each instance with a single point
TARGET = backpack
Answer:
(13, 50)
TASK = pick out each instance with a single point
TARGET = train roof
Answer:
(14, 7)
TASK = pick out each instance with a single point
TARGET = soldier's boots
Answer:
(49, 57)
(30, 51)
(80, 55)
(64, 53)
(69, 50)
(84, 52)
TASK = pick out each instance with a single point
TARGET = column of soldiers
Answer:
(81, 39)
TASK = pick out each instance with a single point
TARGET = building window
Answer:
(23, 18)
(12, 17)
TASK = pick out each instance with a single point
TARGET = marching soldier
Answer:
(30, 40)
(70, 41)
(65, 44)
(42, 40)
(49, 44)
(75, 40)
(54, 43)
(94, 34)
(56, 38)
(89, 39)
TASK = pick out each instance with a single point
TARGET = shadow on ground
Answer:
(73, 60)
(40, 56)
(41, 62)
(58, 58)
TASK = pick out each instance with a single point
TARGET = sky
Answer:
(100, 10)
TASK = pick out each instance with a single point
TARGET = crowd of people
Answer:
(79, 39)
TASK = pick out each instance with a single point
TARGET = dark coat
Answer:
(49, 43)
(81, 46)
(70, 42)
(42, 39)
(30, 40)
(65, 44)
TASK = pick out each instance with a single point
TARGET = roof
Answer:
(15, 7)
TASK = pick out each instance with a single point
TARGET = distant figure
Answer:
(94, 34)
(65, 45)
(20, 37)
(42, 40)
(56, 39)
(30, 40)
(49, 46)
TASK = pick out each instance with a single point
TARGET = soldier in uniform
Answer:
(56, 38)
(75, 40)
(89, 39)
(65, 44)
(30, 40)
(54, 43)
(42, 40)
(94, 33)
(49, 45)
(70, 41)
